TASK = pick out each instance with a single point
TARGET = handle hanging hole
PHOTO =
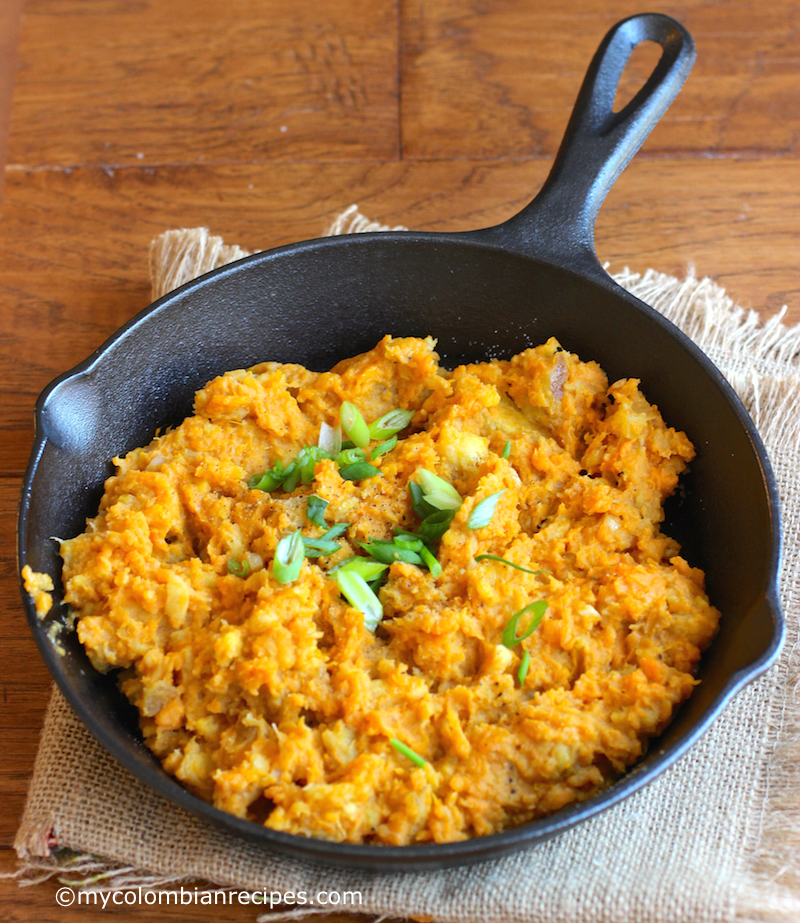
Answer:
(641, 64)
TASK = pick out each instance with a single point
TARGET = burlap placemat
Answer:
(716, 838)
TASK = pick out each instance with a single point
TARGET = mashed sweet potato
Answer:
(275, 701)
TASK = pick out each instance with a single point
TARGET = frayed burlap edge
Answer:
(178, 256)
(770, 889)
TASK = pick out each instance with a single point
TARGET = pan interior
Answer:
(319, 302)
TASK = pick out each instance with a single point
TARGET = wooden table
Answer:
(262, 119)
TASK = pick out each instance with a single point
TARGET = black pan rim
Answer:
(425, 856)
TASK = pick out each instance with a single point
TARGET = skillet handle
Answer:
(558, 225)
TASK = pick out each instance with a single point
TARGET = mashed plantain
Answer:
(269, 696)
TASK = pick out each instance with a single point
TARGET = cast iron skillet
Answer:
(485, 293)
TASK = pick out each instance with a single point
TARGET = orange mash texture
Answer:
(274, 702)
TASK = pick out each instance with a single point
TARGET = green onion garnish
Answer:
(330, 439)
(307, 459)
(269, 480)
(355, 590)
(506, 450)
(369, 570)
(433, 526)
(493, 557)
(407, 540)
(523, 668)
(239, 568)
(350, 456)
(288, 477)
(419, 504)
(482, 513)
(537, 610)
(291, 476)
(437, 491)
(430, 562)
(415, 758)
(390, 424)
(354, 425)
(405, 546)
(383, 448)
(388, 552)
(319, 547)
(325, 544)
(288, 558)
(315, 510)
(305, 463)
(358, 471)
(435, 522)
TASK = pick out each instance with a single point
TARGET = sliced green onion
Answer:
(307, 460)
(506, 450)
(537, 610)
(265, 482)
(325, 544)
(288, 477)
(405, 540)
(493, 557)
(239, 568)
(438, 492)
(291, 477)
(330, 439)
(355, 590)
(358, 471)
(430, 562)
(390, 424)
(365, 568)
(315, 510)
(482, 513)
(288, 558)
(433, 527)
(319, 547)
(383, 448)
(269, 480)
(388, 552)
(523, 668)
(354, 425)
(305, 464)
(350, 456)
(337, 567)
(419, 504)
(415, 758)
